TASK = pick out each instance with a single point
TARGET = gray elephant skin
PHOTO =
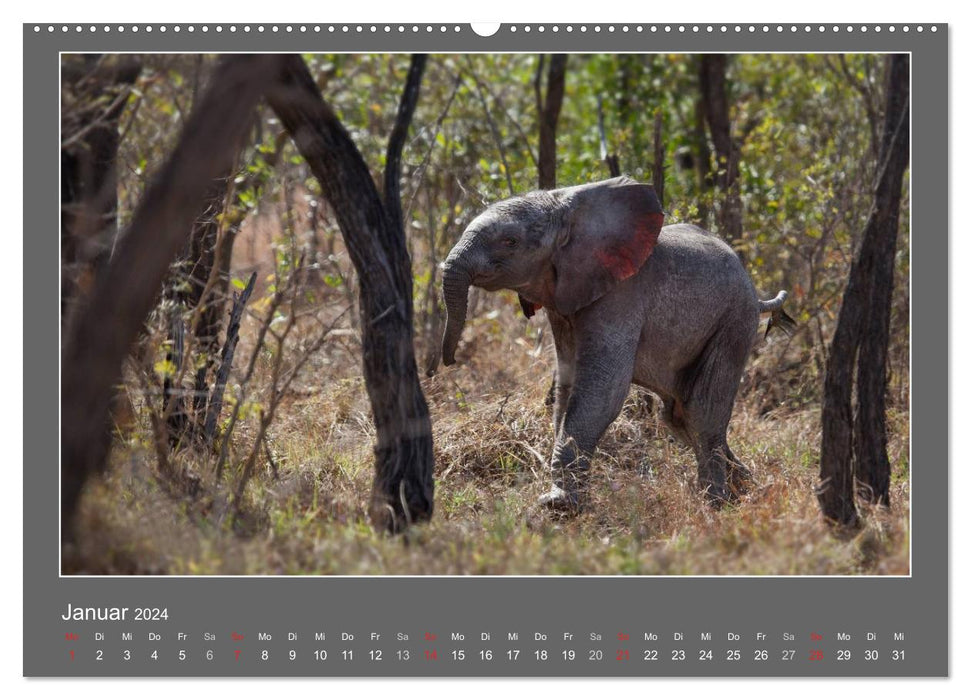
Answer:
(668, 308)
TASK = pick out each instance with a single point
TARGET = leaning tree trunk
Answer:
(403, 484)
(855, 449)
(714, 94)
(101, 333)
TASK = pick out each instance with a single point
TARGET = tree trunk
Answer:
(871, 432)
(858, 447)
(185, 289)
(549, 115)
(105, 327)
(714, 95)
(706, 182)
(403, 485)
(89, 202)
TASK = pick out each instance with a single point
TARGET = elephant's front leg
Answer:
(602, 375)
(565, 346)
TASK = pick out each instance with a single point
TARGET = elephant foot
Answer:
(561, 501)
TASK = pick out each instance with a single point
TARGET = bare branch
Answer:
(492, 127)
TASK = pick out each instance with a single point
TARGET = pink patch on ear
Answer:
(625, 258)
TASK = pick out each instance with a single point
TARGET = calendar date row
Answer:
(322, 655)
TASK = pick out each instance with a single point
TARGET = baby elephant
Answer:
(670, 309)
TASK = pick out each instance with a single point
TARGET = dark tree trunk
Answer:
(104, 328)
(856, 447)
(873, 465)
(89, 201)
(549, 115)
(185, 289)
(714, 93)
(706, 182)
(628, 73)
(403, 484)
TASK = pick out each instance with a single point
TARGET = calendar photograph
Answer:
(485, 314)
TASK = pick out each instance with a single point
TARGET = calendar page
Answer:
(486, 350)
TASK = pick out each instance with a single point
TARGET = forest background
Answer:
(778, 154)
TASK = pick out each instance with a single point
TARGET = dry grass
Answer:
(493, 440)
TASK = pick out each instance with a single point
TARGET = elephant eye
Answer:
(509, 242)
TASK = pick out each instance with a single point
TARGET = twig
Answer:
(431, 145)
(613, 164)
(229, 349)
(100, 121)
(502, 407)
(275, 302)
(131, 119)
(269, 458)
(492, 127)
(277, 392)
(519, 127)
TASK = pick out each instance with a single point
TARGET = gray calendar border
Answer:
(917, 604)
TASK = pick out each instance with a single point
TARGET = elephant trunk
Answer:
(456, 281)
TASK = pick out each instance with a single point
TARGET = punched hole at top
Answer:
(485, 28)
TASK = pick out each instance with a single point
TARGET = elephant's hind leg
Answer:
(712, 468)
(709, 388)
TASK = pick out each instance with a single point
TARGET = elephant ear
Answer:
(609, 231)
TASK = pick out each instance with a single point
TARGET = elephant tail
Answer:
(778, 318)
(773, 304)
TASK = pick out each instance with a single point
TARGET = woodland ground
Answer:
(493, 439)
